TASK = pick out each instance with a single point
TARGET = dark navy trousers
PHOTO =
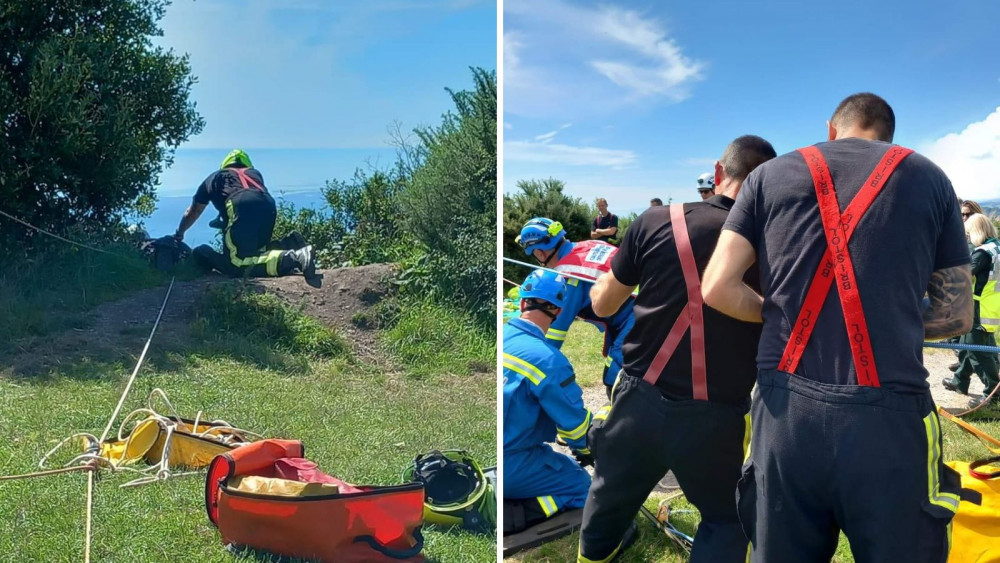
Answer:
(826, 458)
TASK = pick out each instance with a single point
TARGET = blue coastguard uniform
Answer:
(541, 400)
(577, 304)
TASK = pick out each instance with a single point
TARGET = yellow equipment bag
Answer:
(975, 530)
(161, 441)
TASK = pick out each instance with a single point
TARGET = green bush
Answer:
(450, 202)
(432, 339)
(540, 198)
(265, 319)
(360, 223)
(434, 213)
(318, 229)
(90, 112)
(368, 210)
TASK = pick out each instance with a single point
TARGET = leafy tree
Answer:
(540, 198)
(90, 111)
(449, 206)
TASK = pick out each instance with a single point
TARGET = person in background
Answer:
(969, 208)
(983, 236)
(706, 185)
(605, 226)
(655, 202)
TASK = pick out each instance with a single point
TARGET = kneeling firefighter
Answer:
(248, 213)
(545, 240)
(541, 400)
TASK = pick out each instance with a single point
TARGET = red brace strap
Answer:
(692, 316)
(246, 180)
(836, 263)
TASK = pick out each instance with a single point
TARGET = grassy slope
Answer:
(583, 349)
(357, 421)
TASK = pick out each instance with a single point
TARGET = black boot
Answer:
(305, 261)
(950, 385)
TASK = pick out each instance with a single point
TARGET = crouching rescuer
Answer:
(247, 213)
(541, 400)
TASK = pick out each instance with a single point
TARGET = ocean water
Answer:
(291, 175)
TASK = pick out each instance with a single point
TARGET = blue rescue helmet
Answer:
(545, 285)
(540, 233)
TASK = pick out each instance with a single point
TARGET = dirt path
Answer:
(117, 330)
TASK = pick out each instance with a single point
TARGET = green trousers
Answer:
(983, 364)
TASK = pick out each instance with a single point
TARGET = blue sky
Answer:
(317, 83)
(633, 100)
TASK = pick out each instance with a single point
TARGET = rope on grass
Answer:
(55, 236)
(90, 512)
(118, 408)
(46, 473)
(138, 364)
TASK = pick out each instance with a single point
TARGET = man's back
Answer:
(908, 232)
(222, 184)
(648, 257)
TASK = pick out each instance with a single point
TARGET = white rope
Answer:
(138, 364)
(537, 267)
(55, 236)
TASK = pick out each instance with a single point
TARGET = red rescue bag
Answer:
(266, 497)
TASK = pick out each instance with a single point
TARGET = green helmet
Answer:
(237, 156)
(457, 492)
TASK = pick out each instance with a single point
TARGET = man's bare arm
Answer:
(609, 232)
(950, 310)
(722, 285)
(190, 216)
(608, 294)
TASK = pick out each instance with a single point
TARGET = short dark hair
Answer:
(656, 201)
(744, 154)
(868, 111)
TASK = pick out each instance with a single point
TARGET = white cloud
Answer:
(567, 59)
(971, 158)
(552, 153)
(547, 137)
(664, 71)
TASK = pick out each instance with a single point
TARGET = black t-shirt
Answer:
(911, 229)
(606, 222)
(222, 184)
(648, 258)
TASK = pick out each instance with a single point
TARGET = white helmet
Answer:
(706, 181)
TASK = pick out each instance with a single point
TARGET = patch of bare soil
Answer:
(345, 296)
(116, 331)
